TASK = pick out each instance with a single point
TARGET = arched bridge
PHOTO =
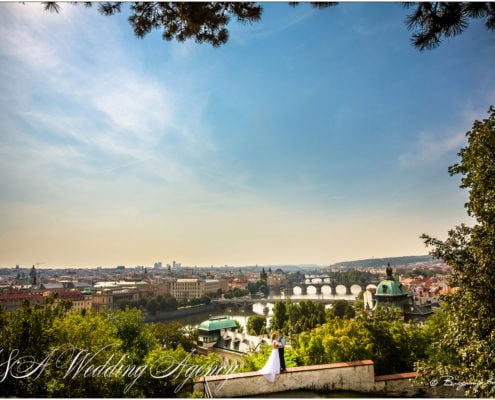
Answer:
(321, 285)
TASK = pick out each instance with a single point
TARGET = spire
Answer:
(389, 272)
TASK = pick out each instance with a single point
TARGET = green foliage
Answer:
(236, 293)
(27, 331)
(280, 318)
(295, 277)
(353, 276)
(84, 335)
(66, 355)
(256, 360)
(304, 316)
(162, 302)
(258, 286)
(173, 334)
(378, 262)
(207, 22)
(433, 21)
(341, 309)
(137, 336)
(434, 329)
(391, 344)
(469, 314)
(256, 325)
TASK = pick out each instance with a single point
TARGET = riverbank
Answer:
(181, 313)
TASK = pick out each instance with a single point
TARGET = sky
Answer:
(311, 137)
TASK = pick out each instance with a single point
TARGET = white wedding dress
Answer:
(272, 366)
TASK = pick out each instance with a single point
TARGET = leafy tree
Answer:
(434, 328)
(256, 325)
(152, 305)
(204, 22)
(280, 317)
(137, 336)
(305, 316)
(159, 359)
(173, 334)
(342, 309)
(122, 304)
(70, 348)
(238, 326)
(167, 302)
(295, 277)
(27, 332)
(469, 337)
(385, 339)
(83, 334)
(182, 368)
(207, 21)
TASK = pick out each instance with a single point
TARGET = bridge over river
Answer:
(315, 289)
(322, 284)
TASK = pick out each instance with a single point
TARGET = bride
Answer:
(272, 366)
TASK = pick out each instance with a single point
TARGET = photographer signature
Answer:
(449, 380)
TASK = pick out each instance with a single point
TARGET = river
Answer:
(242, 316)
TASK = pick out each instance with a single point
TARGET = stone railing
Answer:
(355, 376)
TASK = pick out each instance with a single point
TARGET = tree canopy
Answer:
(206, 22)
(469, 337)
(433, 21)
(45, 352)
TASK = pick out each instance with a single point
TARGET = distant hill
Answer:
(379, 262)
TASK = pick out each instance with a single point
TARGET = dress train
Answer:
(272, 366)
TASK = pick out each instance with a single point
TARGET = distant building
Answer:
(220, 335)
(11, 301)
(109, 298)
(211, 286)
(187, 288)
(393, 294)
(79, 301)
(210, 331)
(193, 288)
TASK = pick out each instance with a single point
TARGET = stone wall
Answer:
(356, 376)
(402, 385)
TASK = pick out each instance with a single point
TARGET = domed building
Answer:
(212, 330)
(393, 294)
(220, 335)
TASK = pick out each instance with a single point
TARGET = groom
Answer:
(281, 341)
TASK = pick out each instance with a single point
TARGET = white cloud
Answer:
(243, 34)
(88, 101)
(429, 149)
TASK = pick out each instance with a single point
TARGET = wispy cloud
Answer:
(263, 29)
(90, 99)
(429, 149)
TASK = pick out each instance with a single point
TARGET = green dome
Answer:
(392, 288)
(215, 324)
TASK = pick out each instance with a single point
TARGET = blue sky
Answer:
(311, 137)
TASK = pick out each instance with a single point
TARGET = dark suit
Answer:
(281, 340)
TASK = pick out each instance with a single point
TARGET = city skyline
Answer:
(311, 137)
